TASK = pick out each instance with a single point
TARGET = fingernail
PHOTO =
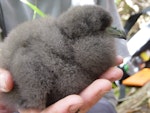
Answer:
(3, 83)
(74, 109)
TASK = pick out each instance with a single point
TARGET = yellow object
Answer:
(145, 56)
(138, 79)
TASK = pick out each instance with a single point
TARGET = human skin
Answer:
(72, 103)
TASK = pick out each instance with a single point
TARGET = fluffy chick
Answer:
(52, 58)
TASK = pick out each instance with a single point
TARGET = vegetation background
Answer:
(138, 101)
(129, 7)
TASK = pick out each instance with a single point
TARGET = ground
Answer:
(139, 102)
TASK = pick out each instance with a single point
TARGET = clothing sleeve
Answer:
(102, 106)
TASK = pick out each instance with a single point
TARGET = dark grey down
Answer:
(51, 58)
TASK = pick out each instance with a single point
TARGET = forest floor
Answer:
(137, 102)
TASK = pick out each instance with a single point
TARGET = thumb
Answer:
(6, 81)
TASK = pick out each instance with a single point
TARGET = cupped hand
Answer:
(73, 103)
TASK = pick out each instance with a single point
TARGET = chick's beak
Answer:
(116, 33)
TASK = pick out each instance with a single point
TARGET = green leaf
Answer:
(34, 8)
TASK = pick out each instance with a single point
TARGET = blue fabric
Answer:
(103, 106)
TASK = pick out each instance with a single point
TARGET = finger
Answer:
(119, 60)
(112, 74)
(30, 111)
(69, 104)
(94, 92)
(4, 109)
(6, 81)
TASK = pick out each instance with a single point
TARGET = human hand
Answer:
(72, 103)
(6, 84)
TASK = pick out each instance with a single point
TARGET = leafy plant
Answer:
(34, 8)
